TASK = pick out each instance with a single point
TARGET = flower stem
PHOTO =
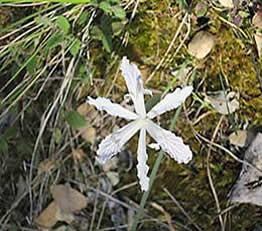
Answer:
(152, 177)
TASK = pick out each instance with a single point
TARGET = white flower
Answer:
(142, 121)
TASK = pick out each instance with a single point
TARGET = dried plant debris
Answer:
(258, 40)
(66, 201)
(257, 20)
(201, 44)
(201, 9)
(227, 3)
(241, 138)
(224, 103)
(118, 216)
(248, 187)
(6, 121)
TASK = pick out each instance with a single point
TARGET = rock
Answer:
(248, 188)
(201, 44)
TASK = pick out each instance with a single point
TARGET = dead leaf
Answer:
(78, 155)
(46, 166)
(248, 188)
(88, 133)
(21, 186)
(241, 138)
(66, 217)
(111, 164)
(224, 103)
(68, 199)
(113, 177)
(83, 109)
(88, 112)
(201, 44)
(47, 219)
(257, 20)
(258, 40)
(227, 3)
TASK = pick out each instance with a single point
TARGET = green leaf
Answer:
(3, 144)
(31, 65)
(44, 21)
(202, 12)
(106, 7)
(106, 29)
(75, 47)
(119, 12)
(115, 1)
(107, 42)
(83, 18)
(58, 136)
(63, 23)
(75, 120)
(243, 14)
(55, 40)
(117, 28)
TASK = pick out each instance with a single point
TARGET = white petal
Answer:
(142, 168)
(112, 108)
(134, 84)
(154, 146)
(113, 143)
(171, 101)
(170, 143)
(148, 92)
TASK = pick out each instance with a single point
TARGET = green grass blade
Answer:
(25, 18)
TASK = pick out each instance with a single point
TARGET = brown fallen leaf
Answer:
(78, 155)
(68, 199)
(83, 109)
(241, 138)
(47, 219)
(258, 40)
(46, 166)
(88, 112)
(201, 44)
(257, 20)
(88, 133)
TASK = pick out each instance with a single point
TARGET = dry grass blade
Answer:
(185, 18)
(182, 209)
(166, 214)
(210, 177)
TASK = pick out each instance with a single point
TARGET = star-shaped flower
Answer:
(142, 122)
